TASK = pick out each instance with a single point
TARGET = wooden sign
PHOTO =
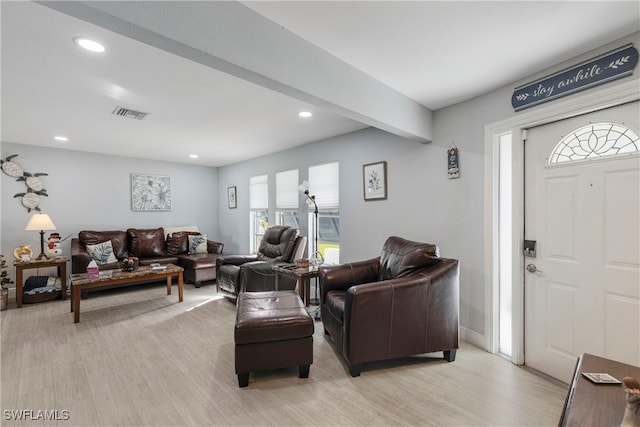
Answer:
(604, 68)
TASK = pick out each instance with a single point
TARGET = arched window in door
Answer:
(595, 141)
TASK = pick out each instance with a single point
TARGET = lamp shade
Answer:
(40, 222)
(304, 186)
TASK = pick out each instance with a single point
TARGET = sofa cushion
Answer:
(119, 240)
(401, 257)
(102, 253)
(146, 243)
(197, 243)
(178, 242)
(335, 304)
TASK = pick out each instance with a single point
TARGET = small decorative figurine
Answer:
(23, 253)
(632, 408)
(53, 247)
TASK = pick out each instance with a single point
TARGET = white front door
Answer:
(585, 217)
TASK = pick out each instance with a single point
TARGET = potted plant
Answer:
(4, 280)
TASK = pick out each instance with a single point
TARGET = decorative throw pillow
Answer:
(198, 244)
(178, 242)
(102, 253)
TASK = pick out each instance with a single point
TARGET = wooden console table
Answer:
(80, 281)
(590, 404)
(59, 262)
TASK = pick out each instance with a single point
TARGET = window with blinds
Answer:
(258, 210)
(287, 197)
(324, 183)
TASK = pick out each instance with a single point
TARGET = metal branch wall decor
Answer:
(35, 187)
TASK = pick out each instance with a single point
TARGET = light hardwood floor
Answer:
(140, 358)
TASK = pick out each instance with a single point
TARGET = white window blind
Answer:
(287, 195)
(258, 192)
(324, 184)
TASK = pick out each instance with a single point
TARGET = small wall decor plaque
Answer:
(150, 192)
(374, 181)
(453, 169)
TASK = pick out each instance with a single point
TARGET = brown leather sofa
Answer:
(149, 246)
(280, 244)
(403, 303)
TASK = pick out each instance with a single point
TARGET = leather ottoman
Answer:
(273, 330)
(198, 267)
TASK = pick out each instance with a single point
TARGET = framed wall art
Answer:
(150, 193)
(232, 197)
(374, 181)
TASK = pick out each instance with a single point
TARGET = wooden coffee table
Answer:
(80, 282)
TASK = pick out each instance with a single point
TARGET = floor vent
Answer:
(132, 114)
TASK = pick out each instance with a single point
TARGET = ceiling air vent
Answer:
(132, 114)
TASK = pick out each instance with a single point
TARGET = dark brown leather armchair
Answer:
(403, 303)
(253, 273)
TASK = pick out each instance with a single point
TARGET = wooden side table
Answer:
(59, 262)
(302, 274)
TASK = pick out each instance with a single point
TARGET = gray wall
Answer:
(93, 191)
(422, 204)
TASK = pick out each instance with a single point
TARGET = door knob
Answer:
(531, 268)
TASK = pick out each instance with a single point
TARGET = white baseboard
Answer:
(473, 337)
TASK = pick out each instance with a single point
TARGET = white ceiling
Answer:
(435, 53)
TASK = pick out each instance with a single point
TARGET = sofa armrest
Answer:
(80, 258)
(342, 277)
(258, 276)
(214, 247)
(235, 260)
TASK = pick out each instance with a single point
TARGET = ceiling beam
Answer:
(230, 37)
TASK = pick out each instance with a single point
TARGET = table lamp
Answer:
(40, 222)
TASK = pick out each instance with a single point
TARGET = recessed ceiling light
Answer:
(91, 45)
(193, 156)
(305, 114)
(61, 138)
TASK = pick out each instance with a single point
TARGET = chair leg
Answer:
(355, 370)
(243, 380)
(450, 355)
(197, 284)
(303, 371)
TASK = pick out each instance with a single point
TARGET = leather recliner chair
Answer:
(253, 273)
(401, 304)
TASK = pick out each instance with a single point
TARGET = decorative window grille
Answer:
(595, 141)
